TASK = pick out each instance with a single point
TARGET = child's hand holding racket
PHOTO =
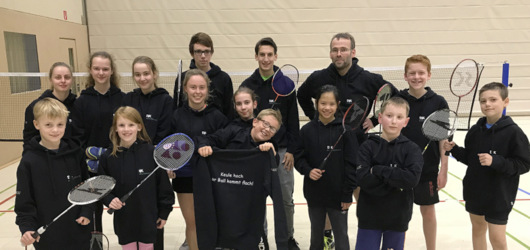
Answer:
(27, 238)
(448, 145)
(205, 151)
(316, 174)
(116, 204)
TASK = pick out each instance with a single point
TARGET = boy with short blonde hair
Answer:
(496, 153)
(423, 102)
(50, 167)
(389, 167)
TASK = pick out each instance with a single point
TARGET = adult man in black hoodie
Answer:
(261, 82)
(344, 73)
(201, 49)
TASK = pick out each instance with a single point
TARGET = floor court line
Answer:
(462, 202)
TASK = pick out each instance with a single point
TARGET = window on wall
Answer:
(21, 51)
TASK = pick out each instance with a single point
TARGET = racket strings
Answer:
(92, 190)
(284, 80)
(439, 125)
(173, 152)
(356, 114)
(464, 78)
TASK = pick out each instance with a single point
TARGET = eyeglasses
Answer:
(200, 52)
(341, 50)
(267, 125)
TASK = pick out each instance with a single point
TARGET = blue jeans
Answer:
(369, 239)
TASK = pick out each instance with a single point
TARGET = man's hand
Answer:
(288, 161)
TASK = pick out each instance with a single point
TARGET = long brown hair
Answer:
(114, 78)
(130, 114)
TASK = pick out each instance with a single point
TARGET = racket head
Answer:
(174, 151)
(439, 125)
(355, 114)
(284, 80)
(464, 77)
(91, 190)
(383, 94)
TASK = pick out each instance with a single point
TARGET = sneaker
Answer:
(93, 153)
(184, 246)
(92, 166)
(329, 243)
(292, 244)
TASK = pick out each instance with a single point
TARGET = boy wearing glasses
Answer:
(201, 49)
(261, 82)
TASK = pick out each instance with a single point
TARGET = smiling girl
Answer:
(61, 79)
(129, 161)
(194, 118)
(329, 190)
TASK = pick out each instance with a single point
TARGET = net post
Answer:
(505, 77)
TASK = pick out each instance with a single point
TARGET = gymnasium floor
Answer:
(454, 228)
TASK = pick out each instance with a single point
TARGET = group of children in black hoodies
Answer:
(386, 174)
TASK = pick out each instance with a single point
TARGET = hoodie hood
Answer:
(68, 102)
(214, 69)
(113, 90)
(66, 147)
(406, 95)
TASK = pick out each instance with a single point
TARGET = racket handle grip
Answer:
(123, 199)
(323, 164)
(35, 235)
(449, 139)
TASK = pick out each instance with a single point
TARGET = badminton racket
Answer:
(437, 126)
(463, 80)
(383, 94)
(352, 119)
(87, 192)
(172, 153)
(179, 80)
(284, 81)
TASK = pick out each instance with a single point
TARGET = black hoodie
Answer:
(420, 109)
(29, 129)
(196, 123)
(356, 82)
(44, 179)
(492, 189)
(154, 199)
(221, 90)
(93, 115)
(338, 181)
(387, 172)
(287, 135)
(155, 108)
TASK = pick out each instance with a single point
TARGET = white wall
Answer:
(52, 9)
(387, 32)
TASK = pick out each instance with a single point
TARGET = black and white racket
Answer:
(383, 94)
(352, 119)
(438, 126)
(172, 153)
(179, 80)
(89, 191)
(284, 81)
(463, 80)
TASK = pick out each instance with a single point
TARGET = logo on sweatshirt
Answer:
(349, 101)
(493, 152)
(204, 132)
